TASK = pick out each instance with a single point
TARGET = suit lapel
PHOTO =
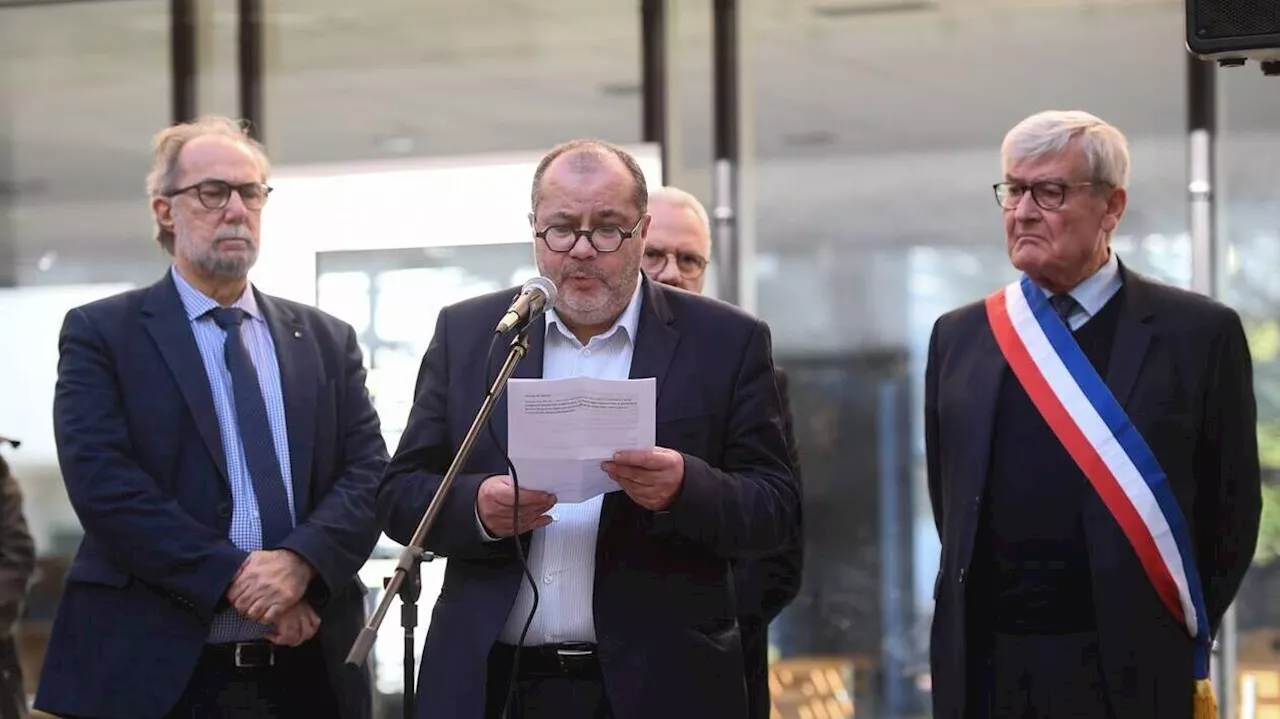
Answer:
(299, 382)
(1133, 335)
(654, 347)
(656, 338)
(165, 319)
(528, 368)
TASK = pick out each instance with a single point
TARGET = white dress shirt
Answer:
(562, 555)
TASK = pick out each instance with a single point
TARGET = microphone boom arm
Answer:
(414, 552)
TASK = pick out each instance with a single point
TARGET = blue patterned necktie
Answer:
(255, 432)
(1064, 305)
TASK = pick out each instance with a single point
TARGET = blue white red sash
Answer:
(1096, 432)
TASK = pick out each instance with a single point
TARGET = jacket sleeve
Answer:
(765, 586)
(118, 504)
(1228, 503)
(340, 533)
(749, 505)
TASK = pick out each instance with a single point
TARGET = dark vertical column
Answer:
(726, 181)
(251, 65)
(182, 59)
(653, 78)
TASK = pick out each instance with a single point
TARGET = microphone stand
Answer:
(406, 580)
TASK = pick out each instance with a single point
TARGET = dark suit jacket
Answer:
(664, 608)
(1180, 367)
(142, 458)
(765, 586)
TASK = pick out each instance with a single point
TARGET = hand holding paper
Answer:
(652, 478)
(495, 506)
(561, 431)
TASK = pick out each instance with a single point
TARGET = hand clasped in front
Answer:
(268, 589)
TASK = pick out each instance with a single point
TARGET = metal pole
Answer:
(251, 65)
(725, 213)
(414, 552)
(182, 59)
(654, 79)
(1202, 115)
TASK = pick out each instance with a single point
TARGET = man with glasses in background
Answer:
(222, 454)
(634, 615)
(1092, 459)
(676, 253)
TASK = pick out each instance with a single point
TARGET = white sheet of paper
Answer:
(560, 430)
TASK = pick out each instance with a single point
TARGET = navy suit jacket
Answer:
(1180, 367)
(664, 608)
(142, 459)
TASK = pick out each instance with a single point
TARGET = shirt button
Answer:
(546, 579)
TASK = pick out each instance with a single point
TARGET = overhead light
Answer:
(620, 89)
(863, 8)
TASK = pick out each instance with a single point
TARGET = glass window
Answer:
(88, 84)
(1248, 195)
(390, 79)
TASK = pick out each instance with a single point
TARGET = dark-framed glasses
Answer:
(1047, 194)
(215, 194)
(605, 238)
(690, 264)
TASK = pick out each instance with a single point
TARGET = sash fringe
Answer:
(1206, 703)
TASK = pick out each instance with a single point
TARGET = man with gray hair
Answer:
(1092, 459)
(676, 253)
(220, 449)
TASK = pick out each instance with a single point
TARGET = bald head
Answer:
(592, 156)
(679, 243)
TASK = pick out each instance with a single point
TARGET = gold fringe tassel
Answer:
(1206, 703)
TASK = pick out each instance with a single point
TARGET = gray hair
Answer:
(640, 189)
(1106, 151)
(167, 145)
(683, 198)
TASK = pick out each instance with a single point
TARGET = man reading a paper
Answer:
(627, 608)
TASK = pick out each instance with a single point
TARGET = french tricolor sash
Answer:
(1093, 427)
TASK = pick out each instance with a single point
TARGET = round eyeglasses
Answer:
(690, 264)
(215, 194)
(605, 238)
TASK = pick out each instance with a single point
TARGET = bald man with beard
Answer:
(630, 609)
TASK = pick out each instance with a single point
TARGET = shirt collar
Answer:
(628, 322)
(197, 304)
(1094, 292)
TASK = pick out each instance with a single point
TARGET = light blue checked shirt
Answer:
(246, 527)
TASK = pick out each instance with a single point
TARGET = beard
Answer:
(232, 266)
(603, 303)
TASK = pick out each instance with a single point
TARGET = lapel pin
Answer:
(297, 334)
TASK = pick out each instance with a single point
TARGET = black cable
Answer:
(515, 538)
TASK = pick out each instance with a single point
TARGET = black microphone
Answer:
(535, 297)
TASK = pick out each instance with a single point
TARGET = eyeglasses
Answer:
(690, 264)
(606, 238)
(215, 194)
(1048, 194)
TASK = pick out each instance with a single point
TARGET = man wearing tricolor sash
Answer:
(1092, 460)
